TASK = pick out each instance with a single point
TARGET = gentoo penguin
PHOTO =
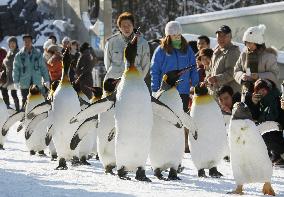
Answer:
(167, 140)
(34, 129)
(65, 106)
(211, 144)
(249, 157)
(6, 116)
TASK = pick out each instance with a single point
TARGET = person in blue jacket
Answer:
(173, 54)
(29, 69)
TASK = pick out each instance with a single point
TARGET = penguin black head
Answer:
(130, 51)
(241, 112)
(110, 84)
(200, 90)
(34, 90)
(97, 91)
(66, 60)
(171, 78)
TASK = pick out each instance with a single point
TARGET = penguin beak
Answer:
(116, 81)
(184, 70)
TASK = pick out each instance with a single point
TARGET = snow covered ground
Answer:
(24, 175)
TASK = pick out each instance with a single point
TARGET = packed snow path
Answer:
(24, 175)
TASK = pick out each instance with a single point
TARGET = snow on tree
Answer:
(152, 16)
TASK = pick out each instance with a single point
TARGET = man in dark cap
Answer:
(224, 59)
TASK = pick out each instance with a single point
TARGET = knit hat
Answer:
(255, 34)
(47, 44)
(12, 39)
(173, 28)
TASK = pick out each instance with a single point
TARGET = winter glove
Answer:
(17, 86)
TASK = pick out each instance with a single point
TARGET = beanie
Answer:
(255, 34)
(173, 28)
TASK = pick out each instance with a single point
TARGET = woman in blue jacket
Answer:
(174, 54)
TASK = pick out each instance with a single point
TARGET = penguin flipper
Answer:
(189, 123)
(82, 131)
(268, 126)
(39, 109)
(83, 104)
(33, 123)
(48, 137)
(95, 108)
(163, 111)
(11, 120)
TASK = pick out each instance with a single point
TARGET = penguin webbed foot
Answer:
(54, 157)
(159, 175)
(108, 169)
(180, 168)
(75, 161)
(62, 165)
(238, 190)
(122, 174)
(141, 175)
(267, 189)
(173, 175)
(41, 153)
(32, 152)
(1, 147)
(214, 173)
(83, 161)
(201, 173)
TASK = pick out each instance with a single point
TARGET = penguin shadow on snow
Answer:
(25, 161)
(35, 187)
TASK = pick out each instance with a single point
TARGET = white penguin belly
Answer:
(167, 141)
(133, 123)
(86, 145)
(249, 158)
(4, 116)
(167, 145)
(106, 148)
(36, 141)
(66, 106)
(211, 143)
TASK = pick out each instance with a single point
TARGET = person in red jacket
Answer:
(54, 64)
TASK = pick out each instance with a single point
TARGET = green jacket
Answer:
(29, 69)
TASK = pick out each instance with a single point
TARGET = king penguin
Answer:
(133, 119)
(65, 105)
(211, 144)
(249, 157)
(34, 126)
(167, 140)
(86, 134)
(5, 116)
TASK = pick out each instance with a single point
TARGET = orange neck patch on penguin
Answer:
(65, 80)
(132, 71)
(202, 100)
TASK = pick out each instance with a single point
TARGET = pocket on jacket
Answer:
(117, 57)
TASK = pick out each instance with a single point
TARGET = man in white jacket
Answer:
(114, 49)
